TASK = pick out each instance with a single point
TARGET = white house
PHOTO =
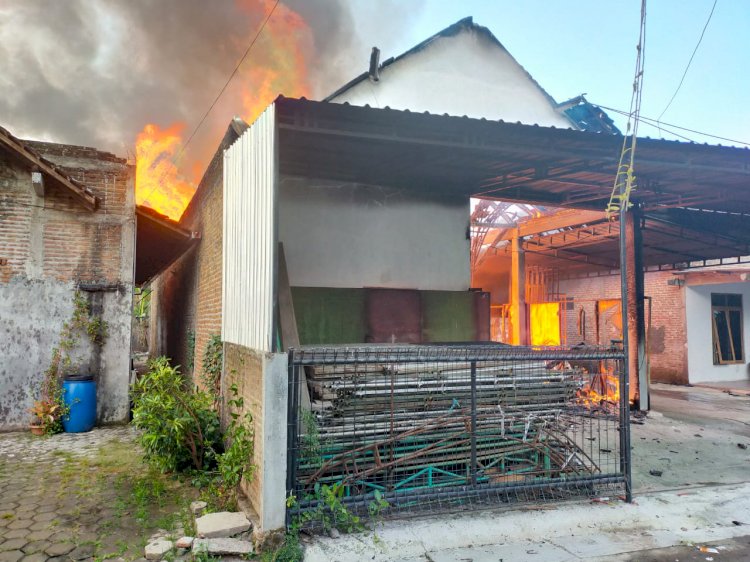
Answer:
(465, 70)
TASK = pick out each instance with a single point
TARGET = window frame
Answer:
(727, 309)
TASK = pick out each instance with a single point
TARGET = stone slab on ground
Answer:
(221, 524)
(184, 542)
(223, 546)
(198, 507)
(157, 549)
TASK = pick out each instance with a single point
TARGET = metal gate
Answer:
(409, 429)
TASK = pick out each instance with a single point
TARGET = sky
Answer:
(135, 77)
(588, 46)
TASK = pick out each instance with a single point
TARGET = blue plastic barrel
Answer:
(79, 394)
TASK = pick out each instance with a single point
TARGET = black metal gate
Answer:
(408, 429)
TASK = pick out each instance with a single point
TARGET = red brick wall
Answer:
(189, 292)
(48, 245)
(72, 244)
(667, 337)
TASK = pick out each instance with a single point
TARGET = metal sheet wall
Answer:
(250, 171)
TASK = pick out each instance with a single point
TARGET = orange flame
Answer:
(282, 49)
(159, 185)
(277, 65)
(603, 388)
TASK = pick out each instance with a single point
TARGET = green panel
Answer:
(448, 316)
(329, 316)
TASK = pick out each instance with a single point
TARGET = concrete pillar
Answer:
(520, 335)
(638, 364)
(273, 442)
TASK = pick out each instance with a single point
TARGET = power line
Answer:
(690, 61)
(221, 92)
(662, 125)
(624, 183)
(234, 72)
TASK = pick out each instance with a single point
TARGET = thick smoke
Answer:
(94, 73)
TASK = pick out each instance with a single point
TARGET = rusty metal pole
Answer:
(630, 306)
(625, 453)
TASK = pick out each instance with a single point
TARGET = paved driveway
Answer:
(81, 497)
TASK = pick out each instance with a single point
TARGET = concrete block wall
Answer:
(261, 380)
(667, 338)
(49, 246)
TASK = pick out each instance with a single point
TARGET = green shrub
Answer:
(180, 429)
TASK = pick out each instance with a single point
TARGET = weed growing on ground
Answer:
(289, 551)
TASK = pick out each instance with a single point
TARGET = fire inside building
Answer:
(428, 309)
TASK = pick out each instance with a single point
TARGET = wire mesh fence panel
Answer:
(398, 430)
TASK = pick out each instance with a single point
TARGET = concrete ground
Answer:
(698, 508)
(82, 497)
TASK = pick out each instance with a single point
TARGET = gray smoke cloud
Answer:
(94, 72)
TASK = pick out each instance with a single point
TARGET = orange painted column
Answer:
(520, 335)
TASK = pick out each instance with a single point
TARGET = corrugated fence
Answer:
(249, 236)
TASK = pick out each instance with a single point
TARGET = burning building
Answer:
(341, 225)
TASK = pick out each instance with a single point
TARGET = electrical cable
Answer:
(651, 120)
(700, 39)
(619, 199)
(221, 92)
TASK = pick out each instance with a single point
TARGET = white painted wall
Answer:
(699, 333)
(466, 74)
(345, 235)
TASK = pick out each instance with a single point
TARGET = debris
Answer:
(223, 546)
(654, 472)
(708, 550)
(742, 445)
(184, 542)
(221, 524)
(333, 532)
(197, 508)
(157, 549)
(738, 523)
(605, 450)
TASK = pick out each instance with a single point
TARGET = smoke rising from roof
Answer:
(94, 73)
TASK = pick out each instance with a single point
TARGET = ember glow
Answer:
(276, 65)
(603, 388)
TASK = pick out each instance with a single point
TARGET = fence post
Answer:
(292, 422)
(473, 423)
(625, 452)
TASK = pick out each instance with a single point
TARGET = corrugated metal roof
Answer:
(462, 157)
(458, 157)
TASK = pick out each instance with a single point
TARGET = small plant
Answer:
(329, 513)
(289, 551)
(181, 433)
(181, 430)
(236, 460)
(49, 410)
(190, 359)
(47, 415)
(311, 451)
(213, 357)
(377, 506)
